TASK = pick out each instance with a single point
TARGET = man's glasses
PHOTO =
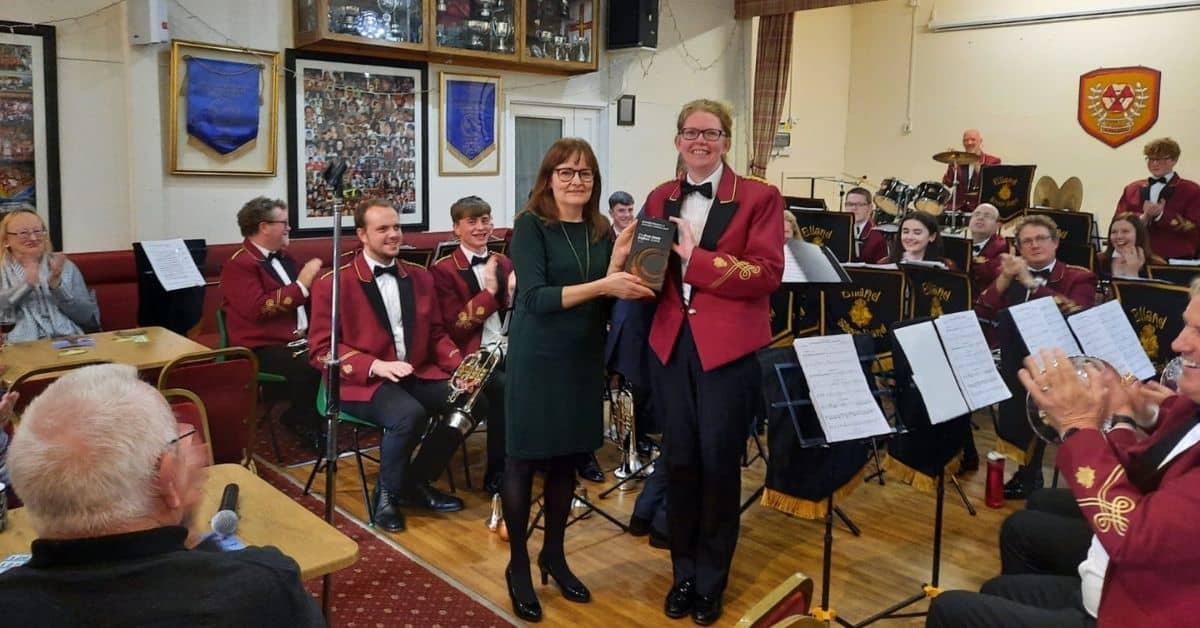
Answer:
(856, 204)
(1154, 159)
(566, 175)
(711, 135)
(28, 234)
(1040, 239)
(191, 430)
(276, 222)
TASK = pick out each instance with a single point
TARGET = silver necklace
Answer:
(587, 250)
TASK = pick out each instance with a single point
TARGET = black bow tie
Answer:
(704, 189)
(274, 256)
(477, 260)
(392, 270)
(1043, 273)
(1153, 180)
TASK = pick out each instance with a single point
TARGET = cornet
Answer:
(624, 423)
(470, 377)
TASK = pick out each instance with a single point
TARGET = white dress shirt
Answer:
(695, 211)
(389, 289)
(493, 329)
(1157, 188)
(277, 266)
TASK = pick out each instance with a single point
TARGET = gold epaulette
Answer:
(752, 177)
(412, 264)
(330, 272)
(439, 260)
(237, 253)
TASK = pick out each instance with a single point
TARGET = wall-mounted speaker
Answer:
(632, 24)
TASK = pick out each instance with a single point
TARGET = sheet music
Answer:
(1175, 261)
(838, 388)
(792, 272)
(970, 359)
(172, 264)
(926, 263)
(865, 265)
(1042, 326)
(931, 372)
(1105, 333)
(807, 263)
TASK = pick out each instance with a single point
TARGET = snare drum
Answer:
(931, 197)
(893, 196)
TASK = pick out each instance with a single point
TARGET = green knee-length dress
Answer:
(555, 365)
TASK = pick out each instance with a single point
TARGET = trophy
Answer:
(477, 35)
(564, 9)
(441, 6)
(501, 31)
(560, 52)
(581, 50)
(485, 8)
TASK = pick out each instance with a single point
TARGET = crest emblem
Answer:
(1118, 104)
(860, 314)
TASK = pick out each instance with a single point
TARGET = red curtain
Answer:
(745, 9)
(772, 63)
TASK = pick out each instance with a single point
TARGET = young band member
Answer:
(396, 360)
(265, 298)
(566, 263)
(869, 242)
(475, 289)
(41, 290)
(620, 207)
(1128, 250)
(713, 313)
(969, 175)
(919, 241)
(986, 244)
(1168, 203)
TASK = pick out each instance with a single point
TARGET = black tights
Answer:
(558, 490)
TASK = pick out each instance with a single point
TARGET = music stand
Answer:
(834, 230)
(177, 310)
(1007, 188)
(805, 202)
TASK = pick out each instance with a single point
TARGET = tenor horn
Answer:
(469, 378)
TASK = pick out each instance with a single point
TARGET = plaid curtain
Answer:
(746, 9)
(772, 62)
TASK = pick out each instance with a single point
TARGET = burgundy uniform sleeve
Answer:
(759, 271)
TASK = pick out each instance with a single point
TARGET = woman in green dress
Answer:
(567, 267)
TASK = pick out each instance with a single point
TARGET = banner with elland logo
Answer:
(1154, 311)
(222, 102)
(1007, 187)
(870, 305)
(1118, 104)
(833, 230)
(934, 291)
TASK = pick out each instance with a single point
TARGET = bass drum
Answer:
(893, 196)
(931, 197)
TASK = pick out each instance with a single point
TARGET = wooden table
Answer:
(265, 517)
(162, 346)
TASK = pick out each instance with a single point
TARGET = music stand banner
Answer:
(1178, 275)
(935, 291)
(1006, 187)
(833, 230)
(1154, 310)
(869, 305)
(1073, 227)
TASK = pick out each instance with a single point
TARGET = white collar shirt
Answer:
(695, 210)
(389, 290)
(282, 274)
(494, 330)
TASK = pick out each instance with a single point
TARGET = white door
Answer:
(533, 127)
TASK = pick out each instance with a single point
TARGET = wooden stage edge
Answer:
(628, 578)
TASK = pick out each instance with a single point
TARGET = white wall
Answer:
(113, 113)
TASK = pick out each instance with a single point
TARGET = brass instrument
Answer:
(299, 346)
(470, 377)
(623, 422)
(495, 521)
(1037, 417)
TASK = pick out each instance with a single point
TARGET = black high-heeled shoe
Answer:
(529, 611)
(571, 587)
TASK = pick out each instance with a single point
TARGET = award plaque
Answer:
(651, 250)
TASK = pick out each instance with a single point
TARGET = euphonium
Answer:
(470, 377)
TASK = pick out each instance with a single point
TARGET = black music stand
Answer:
(936, 291)
(1007, 187)
(805, 202)
(1179, 275)
(177, 310)
(1073, 227)
(834, 230)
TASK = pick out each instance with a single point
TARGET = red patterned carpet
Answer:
(385, 588)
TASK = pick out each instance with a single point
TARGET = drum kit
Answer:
(896, 197)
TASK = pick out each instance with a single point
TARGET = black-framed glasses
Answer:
(566, 175)
(1037, 239)
(182, 436)
(1153, 159)
(27, 234)
(711, 135)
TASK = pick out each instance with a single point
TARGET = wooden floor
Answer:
(628, 578)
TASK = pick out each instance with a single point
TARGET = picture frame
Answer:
(469, 124)
(368, 112)
(215, 128)
(626, 110)
(29, 168)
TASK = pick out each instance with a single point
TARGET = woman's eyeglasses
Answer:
(566, 175)
(28, 234)
(711, 135)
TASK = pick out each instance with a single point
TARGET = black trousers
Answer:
(1020, 601)
(300, 387)
(494, 392)
(403, 410)
(1049, 537)
(706, 420)
(651, 503)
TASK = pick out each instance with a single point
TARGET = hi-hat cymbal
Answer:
(1045, 193)
(956, 157)
(1070, 195)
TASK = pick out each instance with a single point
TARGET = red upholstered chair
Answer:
(226, 381)
(786, 605)
(188, 408)
(32, 383)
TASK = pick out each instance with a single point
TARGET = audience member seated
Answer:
(870, 244)
(41, 290)
(1168, 203)
(620, 208)
(986, 244)
(396, 361)
(112, 484)
(1128, 250)
(475, 288)
(265, 298)
(918, 241)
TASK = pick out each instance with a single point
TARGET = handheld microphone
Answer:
(224, 523)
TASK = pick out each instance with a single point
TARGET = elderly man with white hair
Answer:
(111, 483)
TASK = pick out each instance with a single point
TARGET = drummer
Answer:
(986, 244)
(869, 242)
(969, 173)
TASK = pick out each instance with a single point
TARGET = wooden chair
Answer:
(226, 380)
(786, 605)
(188, 408)
(263, 378)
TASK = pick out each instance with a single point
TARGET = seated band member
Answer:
(919, 241)
(870, 244)
(475, 290)
(265, 299)
(112, 485)
(1128, 250)
(396, 360)
(986, 244)
(42, 291)
(1168, 203)
(620, 208)
(969, 177)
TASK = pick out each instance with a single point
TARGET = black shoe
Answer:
(680, 599)
(1022, 484)
(571, 587)
(638, 526)
(387, 516)
(530, 611)
(707, 609)
(589, 469)
(493, 482)
(425, 496)
(659, 540)
(645, 447)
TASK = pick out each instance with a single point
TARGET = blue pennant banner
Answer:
(470, 119)
(222, 102)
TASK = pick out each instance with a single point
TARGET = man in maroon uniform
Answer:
(969, 178)
(1168, 203)
(870, 244)
(986, 244)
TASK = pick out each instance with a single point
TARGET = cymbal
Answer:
(1045, 193)
(1070, 195)
(956, 157)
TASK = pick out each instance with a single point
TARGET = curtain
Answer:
(746, 9)
(772, 63)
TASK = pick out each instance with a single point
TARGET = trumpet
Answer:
(299, 346)
(469, 378)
